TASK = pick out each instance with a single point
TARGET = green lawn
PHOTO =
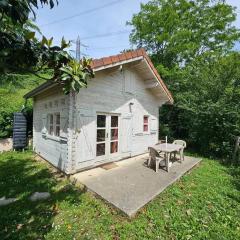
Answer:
(204, 204)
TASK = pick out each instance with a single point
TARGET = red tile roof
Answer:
(102, 62)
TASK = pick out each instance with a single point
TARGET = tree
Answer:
(177, 31)
(206, 112)
(20, 51)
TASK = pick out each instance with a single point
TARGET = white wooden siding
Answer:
(53, 149)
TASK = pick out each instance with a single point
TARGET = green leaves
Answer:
(178, 31)
(47, 42)
(19, 10)
(75, 75)
(64, 44)
(21, 52)
(30, 35)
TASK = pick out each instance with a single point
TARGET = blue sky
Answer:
(90, 24)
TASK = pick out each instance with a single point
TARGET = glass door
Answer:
(114, 135)
(101, 135)
(107, 142)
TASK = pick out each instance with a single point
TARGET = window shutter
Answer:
(86, 134)
(137, 124)
(126, 134)
(154, 125)
(129, 83)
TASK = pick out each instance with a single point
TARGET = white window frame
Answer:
(50, 124)
(146, 124)
(54, 125)
(57, 124)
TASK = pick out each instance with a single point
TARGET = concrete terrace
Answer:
(130, 184)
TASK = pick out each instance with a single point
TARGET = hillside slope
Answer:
(12, 89)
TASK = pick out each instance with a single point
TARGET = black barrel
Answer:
(19, 131)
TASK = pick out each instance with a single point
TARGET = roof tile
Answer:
(128, 55)
(134, 54)
(122, 57)
(139, 52)
(107, 60)
(115, 59)
(97, 63)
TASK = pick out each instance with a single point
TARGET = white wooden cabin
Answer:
(115, 117)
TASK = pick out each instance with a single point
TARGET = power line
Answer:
(83, 12)
(106, 34)
(110, 47)
(109, 34)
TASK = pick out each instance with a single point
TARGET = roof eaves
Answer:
(40, 88)
(114, 64)
(155, 72)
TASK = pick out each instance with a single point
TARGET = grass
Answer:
(12, 89)
(204, 204)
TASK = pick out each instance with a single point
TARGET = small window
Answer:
(50, 124)
(54, 124)
(57, 125)
(145, 123)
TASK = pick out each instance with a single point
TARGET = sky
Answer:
(101, 24)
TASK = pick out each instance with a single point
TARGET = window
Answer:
(101, 135)
(50, 123)
(54, 124)
(145, 123)
(57, 125)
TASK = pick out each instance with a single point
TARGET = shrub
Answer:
(207, 107)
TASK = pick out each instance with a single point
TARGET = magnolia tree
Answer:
(22, 52)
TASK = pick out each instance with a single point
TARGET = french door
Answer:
(107, 142)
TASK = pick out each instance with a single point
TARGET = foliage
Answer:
(207, 106)
(202, 205)
(18, 46)
(19, 10)
(22, 52)
(177, 31)
(74, 75)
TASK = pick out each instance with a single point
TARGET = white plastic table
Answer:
(168, 149)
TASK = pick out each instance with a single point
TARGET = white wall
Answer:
(112, 92)
(53, 149)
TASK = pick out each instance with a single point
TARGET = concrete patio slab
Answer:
(131, 184)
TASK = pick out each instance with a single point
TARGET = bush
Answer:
(206, 112)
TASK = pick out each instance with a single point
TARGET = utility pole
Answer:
(78, 51)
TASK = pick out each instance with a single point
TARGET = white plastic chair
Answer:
(154, 156)
(181, 152)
